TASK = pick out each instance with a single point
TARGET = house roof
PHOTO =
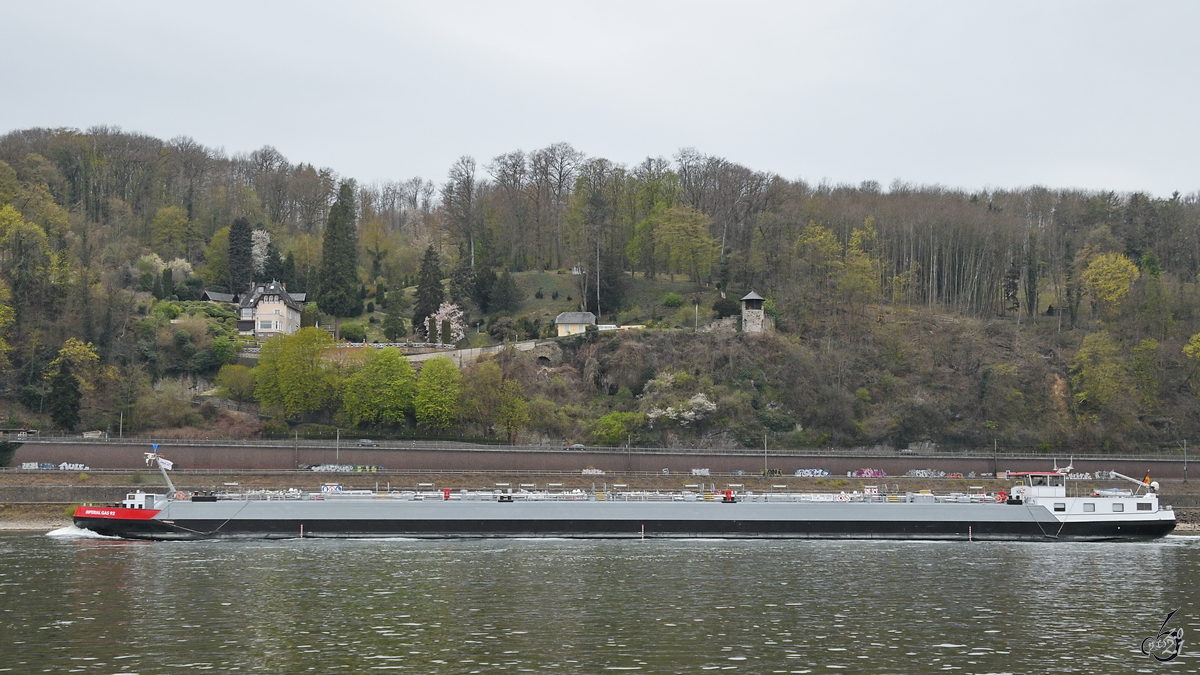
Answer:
(575, 317)
(274, 288)
(213, 296)
(753, 296)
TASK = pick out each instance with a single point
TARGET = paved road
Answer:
(467, 356)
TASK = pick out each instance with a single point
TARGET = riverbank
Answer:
(43, 517)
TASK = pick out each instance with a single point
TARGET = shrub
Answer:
(673, 300)
(224, 351)
(236, 382)
(504, 328)
(724, 307)
(370, 308)
(169, 406)
(276, 429)
(354, 332)
(617, 428)
(320, 431)
(166, 310)
(209, 411)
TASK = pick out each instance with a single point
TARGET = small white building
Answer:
(573, 323)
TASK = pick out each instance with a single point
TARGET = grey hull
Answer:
(386, 517)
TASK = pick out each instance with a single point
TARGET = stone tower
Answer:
(754, 320)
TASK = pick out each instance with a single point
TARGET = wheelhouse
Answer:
(1040, 483)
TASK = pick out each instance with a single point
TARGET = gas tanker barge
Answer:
(1036, 509)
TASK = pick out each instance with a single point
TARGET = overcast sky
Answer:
(1094, 95)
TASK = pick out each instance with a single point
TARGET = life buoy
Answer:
(180, 496)
(1001, 496)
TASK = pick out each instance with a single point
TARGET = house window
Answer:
(1088, 508)
(247, 313)
(264, 325)
(1118, 507)
(1060, 506)
(1144, 506)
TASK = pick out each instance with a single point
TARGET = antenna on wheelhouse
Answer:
(1066, 469)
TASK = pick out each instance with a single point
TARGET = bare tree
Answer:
(459, 203)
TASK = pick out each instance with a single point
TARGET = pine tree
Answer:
(273, 269)
(65, 397)
(462, 281)
(485, 282)
(241, 264)
(429, 288)
(337, 278)
(394, 327)
(289, 272)
(506, 297)
(612, 289)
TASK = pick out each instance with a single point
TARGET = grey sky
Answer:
(966, 94)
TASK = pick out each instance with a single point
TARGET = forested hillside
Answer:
(1027, 317)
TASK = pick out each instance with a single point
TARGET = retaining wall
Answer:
(117, 455)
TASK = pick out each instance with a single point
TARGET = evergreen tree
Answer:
(273, 269)
(289, 272)
(337, 278)
(65, 397)
(168, 283)
(241, 261)
(429, 288)
(485, 282)
(462, 282)
(394, 327)
(506, 297)
(612, 289)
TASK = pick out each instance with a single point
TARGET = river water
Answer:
(70, 604)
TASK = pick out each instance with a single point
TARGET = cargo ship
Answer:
(1037, 508)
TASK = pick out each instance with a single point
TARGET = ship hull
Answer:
(384, 517)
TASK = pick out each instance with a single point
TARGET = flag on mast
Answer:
(162, 461)
(1146, 480)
